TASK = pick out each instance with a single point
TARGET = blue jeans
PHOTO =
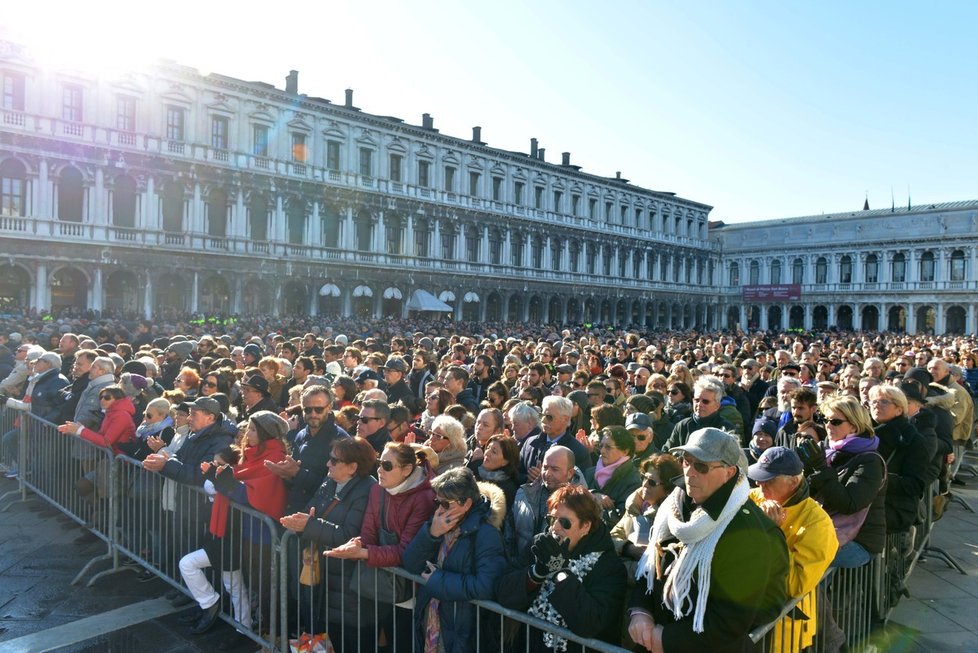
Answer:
(851, 555)
(9, 447)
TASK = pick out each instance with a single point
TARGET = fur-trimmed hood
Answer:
(944, 400)
(497, 503)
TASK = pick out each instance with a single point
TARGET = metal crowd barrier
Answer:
(73, 475)
(154, 522)
(161, 521)
(371, 623)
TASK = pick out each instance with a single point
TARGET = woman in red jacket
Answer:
(117, 425)
(405, 498)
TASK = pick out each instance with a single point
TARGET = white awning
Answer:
(330, 290)
(422, 300)
(363, 291)
(392, 293)
(447, 296)
(470, 297)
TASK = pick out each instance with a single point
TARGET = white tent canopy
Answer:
(392, 293)
(470, 297)
(422, 300)
(363, 291)
(447, 296)
(329, 290)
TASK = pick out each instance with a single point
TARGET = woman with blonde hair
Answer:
(447, 439)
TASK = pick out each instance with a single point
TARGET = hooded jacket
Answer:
(184, 465)
(591, 607)
(468, 573)
(45, 399)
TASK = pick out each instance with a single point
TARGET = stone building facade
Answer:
(172, 190)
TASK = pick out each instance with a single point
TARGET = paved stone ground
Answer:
(38, 560)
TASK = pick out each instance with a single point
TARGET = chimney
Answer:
(292, 82)
(618, 175)
(426, 121)
(565, 158)
(541, 152)
(477, 135)
(533, 148)
(349, 98)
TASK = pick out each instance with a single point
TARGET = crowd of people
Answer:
(662, 490)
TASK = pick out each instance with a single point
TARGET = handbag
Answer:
(311, 573)
(379, 584)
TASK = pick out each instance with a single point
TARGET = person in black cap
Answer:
(255, 396)
(395, 369)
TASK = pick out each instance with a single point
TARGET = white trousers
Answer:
(191, 568)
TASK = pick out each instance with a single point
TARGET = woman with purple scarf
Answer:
(846, 476)
(614, 478)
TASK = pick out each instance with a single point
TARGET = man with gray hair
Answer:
(525, 420)
(528, 514)
(556, 418)
(707, 395)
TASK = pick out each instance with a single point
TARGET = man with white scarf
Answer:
(716, 566)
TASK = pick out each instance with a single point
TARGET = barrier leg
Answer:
(961, 502)
(111, 531)
(21, 465)
(944, 557)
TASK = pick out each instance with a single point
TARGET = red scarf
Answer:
(266, 492)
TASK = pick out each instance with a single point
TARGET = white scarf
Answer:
(413, 480)
(698, 538)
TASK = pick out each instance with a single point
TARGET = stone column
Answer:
(42, 207)
(314, 228)
(939, 321)
(380, 235)
(41, 299)
(484, 248)
(148, 297)
(911, 318)
(193, 294)
(237, 295)
(96, 303)
(347, 302)
(407, 245)
(831, 315)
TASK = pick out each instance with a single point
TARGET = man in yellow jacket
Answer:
(782, 493)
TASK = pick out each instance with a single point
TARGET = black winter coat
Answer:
(906, 459)
(311, 451)
(682, 430)
(853, 482)
(339, 526)
(184, 465)
(592, 607)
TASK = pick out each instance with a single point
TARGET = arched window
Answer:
(927, 266)
(173, 202)
(754, 275)
(217, 213)
(734, 274)
(776, 272)
(872, 268)
(392, 224)
(258, 219)
(296, 214)
(797, 272)
(71, 195)
(957, 272)
(124, 202)
(13, 183)
(898, 268)
(845, 269)
(821, 270)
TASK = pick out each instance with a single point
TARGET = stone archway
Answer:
(15, 287)
(121, 292)
(69, 289)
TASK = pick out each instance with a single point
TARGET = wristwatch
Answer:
(561, 576)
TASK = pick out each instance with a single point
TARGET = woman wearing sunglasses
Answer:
(399, 505)
(459, 554)
(570, 577)
(846, 474)
(679, 400)
(631, 533)
(334, 516)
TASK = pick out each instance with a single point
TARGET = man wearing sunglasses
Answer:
(305, 470)
(707, 395)
(711, 531)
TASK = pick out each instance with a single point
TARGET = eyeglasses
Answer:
(106, 397)
(435, 435)
(333, 460)
(389, 466)
(362, 418)
(564, 522)
(836, 421)
(432, 398)
(881, 402)
(699, 466)
(607, 446)
(210, 384)
(444, 504)
(675, 391)
(309, 410)
(648, 479)
(641, 437)
(547, 417)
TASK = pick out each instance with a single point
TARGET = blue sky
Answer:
(760, 109)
